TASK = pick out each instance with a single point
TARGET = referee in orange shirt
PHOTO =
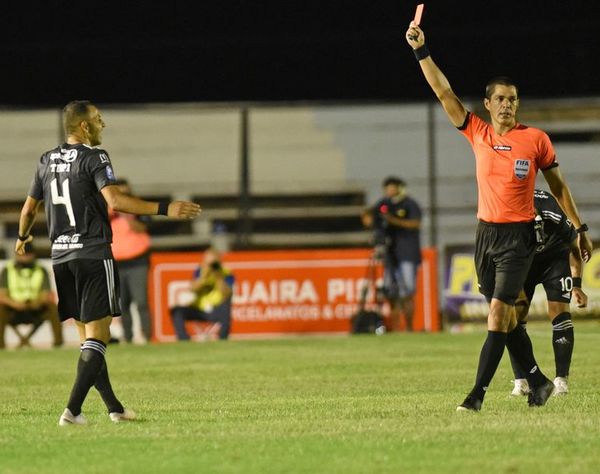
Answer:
(507, 156)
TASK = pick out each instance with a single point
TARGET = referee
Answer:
(76, 181)
(507, 156)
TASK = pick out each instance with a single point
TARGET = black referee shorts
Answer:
(503, 256)
(554, 272)
(88, 289)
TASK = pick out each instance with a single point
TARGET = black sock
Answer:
(563, 340)
(519, 345)
(491, 354)
(106, 392)
(518, 371)
(91, 359)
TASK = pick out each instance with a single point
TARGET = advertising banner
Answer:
(464, 303)
(285, 291)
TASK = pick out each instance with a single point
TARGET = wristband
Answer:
(576, 282)
(23, 238)
(421, 53)
(163, 208)
(582, 229)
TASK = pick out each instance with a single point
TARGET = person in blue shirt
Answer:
(396, 219)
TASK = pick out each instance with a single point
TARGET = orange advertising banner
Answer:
(291, 291)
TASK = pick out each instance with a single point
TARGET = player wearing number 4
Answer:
(557, 265)
(507, 156)
(76, 181)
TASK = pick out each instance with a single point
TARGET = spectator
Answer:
(25, 298)
(130, 247)
(213, 287)
(396, 218)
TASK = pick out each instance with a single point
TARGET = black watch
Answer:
(583, 228)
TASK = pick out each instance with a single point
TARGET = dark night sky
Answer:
(266, 50)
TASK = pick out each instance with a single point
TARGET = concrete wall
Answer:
(195, 149)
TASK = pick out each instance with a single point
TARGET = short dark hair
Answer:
(499, 81)
(73, 113)
(393, 180)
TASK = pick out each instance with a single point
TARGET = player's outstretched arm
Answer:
(124, 203)
(562, 193)
(26, 220)
(436, 79)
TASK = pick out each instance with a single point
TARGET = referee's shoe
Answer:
(540, 394)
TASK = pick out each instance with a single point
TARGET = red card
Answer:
(419, 13)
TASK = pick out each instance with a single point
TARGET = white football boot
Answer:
(67, 418)
(521, 388)
(127, 415)
(561, 386)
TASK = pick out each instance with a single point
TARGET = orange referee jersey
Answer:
(506, 168)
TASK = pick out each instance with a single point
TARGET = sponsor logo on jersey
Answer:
(522, 168)
(502, 147)
(68, 155)
(110, 173)
(67, 242)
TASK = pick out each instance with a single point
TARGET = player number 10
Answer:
(64, 200)
(566, 283)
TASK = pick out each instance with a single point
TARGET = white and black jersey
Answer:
(558, 230)
(69, 179)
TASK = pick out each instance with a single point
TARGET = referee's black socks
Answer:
(563, 340)
(518, 371)
(520, 348)
(489, 358)
(91, 359)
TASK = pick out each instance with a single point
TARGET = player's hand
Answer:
(184, 210)
(415, 36)
(20, 245)
(585, 245)
(580, 297)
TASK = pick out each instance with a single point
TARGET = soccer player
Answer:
(507, 155)
(557, 265)
(76, 181)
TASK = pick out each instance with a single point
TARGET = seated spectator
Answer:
(213, 287)
(25, 298)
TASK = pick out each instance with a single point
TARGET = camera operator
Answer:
(396, 220)
(213, 287)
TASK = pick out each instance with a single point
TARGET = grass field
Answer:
(307, 405)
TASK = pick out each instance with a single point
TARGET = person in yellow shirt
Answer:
(213, 288)
(25, 298)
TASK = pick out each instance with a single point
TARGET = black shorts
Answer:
(87, 289)
(554, 272)
(503, 255)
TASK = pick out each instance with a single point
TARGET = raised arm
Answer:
(435, 77)
(562, 193)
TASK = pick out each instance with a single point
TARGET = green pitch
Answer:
(306, 405)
